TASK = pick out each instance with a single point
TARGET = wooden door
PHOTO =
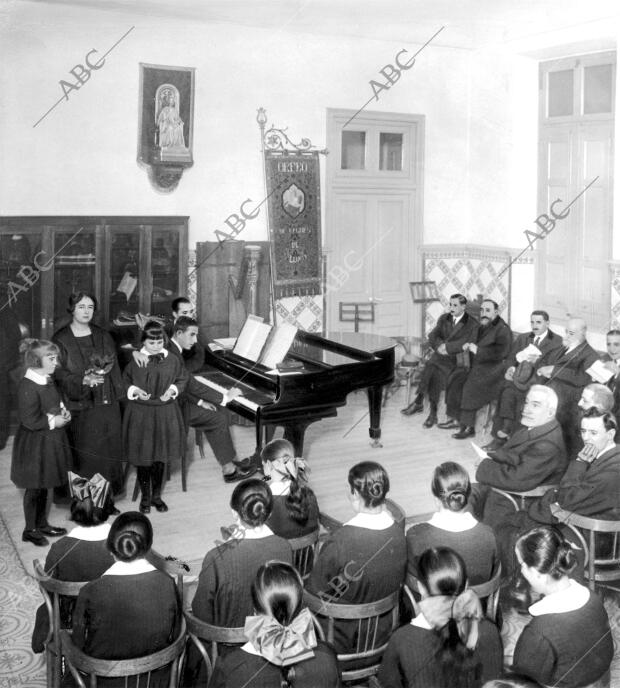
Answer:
(373, 217)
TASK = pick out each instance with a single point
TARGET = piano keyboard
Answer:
(241, 400)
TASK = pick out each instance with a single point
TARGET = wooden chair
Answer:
(173, 567)
(52, 589)
(512, 496)
(78, 662)
(488, 591)
(367, 617)
(598, 568)
(398, 514)
(304, 551)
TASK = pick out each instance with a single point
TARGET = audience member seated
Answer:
(523, 362)
(568, 643)
(446, 339)
(295, 509)
(594, 395)
(448, 644)
(567, 376)
(612, 362)
(454, 526)
(365, 559)
(469, 391)
(589, 487)
(133, 609)
(223, 596)
(534, 455)
(83, 554)
(282, 649)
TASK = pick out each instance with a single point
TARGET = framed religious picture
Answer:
(166, 121)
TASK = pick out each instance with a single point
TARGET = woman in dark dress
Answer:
(90, 378)
(448, 644)
(282, 649)
(454, 526)
(41, 454)
(83, 554)
(365, 559)
(153, 429)
(295, 509)
(133, 610)
(568, 642)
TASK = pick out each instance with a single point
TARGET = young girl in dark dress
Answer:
(153, 430)
(295, 509)
(282, 649)
(448, 644)
(82, 555)
(41, 452)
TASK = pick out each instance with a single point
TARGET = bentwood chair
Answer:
(304, 551)
(519, 499)
(52, 590)
(82, 666)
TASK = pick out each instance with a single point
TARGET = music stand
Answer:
(357, 312)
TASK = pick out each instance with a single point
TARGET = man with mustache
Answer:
(466, 393)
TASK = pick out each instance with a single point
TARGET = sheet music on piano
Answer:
(261, 343)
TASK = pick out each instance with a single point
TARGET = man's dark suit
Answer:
(439, 366)
(531, 457)
(214, 424)
(511, 399)
(465, 395)
(568, 379)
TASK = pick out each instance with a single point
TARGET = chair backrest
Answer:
(519, 499)
(600, 566)
(367, 616)
(77, 662)
(201, 632)
(173, 567)
(304, 551)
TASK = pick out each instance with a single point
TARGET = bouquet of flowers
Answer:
(100, 364)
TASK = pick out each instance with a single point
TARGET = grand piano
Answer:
(329, 369)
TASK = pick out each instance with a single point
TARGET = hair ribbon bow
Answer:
(97, 488)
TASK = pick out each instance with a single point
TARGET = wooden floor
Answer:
(189, 529)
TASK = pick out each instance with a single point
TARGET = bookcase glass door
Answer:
(74, 269)
(124, 273)
(165, 246)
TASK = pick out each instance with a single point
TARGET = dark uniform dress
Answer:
(95, 428)
(282, 522)
(41, 457)
(153, 430)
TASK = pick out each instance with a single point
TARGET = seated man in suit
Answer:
(567, 376)
(512, 393)
(452, 330)
(534, 455)
(589, 487)
(194, 357)
(466, 393)
(612, 362)
(204, 408)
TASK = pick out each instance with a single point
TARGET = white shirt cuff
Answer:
(50, 420)
(132, 392)
(175, 391)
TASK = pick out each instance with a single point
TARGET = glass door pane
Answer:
(164, 268)
(390, 152)
(353, 153)
(124, 276)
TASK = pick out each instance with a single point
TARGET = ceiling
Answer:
(468, 23)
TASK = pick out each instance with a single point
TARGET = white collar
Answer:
(129, 568)
(575, 596)
(540, 336)
(91, 533)
(35, 377)
(256, 533)
(457, 320)
(610, 446)
(379, 521)
(146, 353)
(453, 521)
(279, 488)
(178, 346)
(250, 649)
(420, 621)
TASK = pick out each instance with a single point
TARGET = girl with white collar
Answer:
(365, 559)
(133, 609)
(295, 509)
(41, 451)
(453, 526)
(568, 643)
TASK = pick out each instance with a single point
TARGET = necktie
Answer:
(537, 341)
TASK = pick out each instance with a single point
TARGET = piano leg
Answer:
(374, 408)
(295, 435)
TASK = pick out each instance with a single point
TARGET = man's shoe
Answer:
(430, 421)
(35, 537)
(52, 531)
(414, 407)
(240, 473)
(145, 507)
(464, 433)
(159, 504)
(449, 424)
(494, 444)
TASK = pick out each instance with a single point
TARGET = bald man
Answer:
(567, 377)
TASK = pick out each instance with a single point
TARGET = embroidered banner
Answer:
(294, 204)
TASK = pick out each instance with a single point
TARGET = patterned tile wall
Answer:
(305, 312)
(615, 296)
